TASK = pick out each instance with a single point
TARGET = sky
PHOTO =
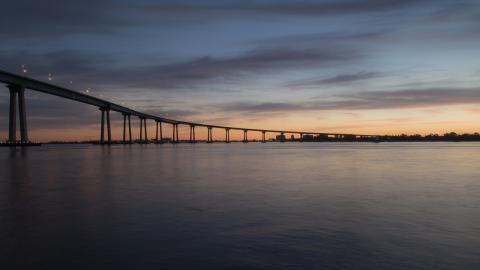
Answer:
(365, 67)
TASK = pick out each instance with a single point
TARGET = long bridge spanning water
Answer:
(17, 85)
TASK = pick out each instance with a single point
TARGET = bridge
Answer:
(17, 85)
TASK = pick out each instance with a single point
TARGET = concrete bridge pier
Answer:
(245, 136)
(301, 137)
(23, 114)
(263, 137)
(12, 131)
(227, 135)
(158, 132)
(175, 133)
(192, 134)
(102, 126)
(282, 137)
(126, 117)
(105, 111)
(109, 130)
(129, 129)
(143, 129)
(124, 128)
(12, 123)
(209, 135)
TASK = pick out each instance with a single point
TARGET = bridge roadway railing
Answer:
(17, 84)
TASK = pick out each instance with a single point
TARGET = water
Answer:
(241, 206)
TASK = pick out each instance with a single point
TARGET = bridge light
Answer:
(24, 69)
(50, 76)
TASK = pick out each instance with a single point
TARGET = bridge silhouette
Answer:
(17, 85)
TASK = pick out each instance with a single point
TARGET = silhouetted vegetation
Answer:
(447, 137)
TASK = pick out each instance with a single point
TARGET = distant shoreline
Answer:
(448, 137)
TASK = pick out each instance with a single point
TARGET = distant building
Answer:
(349, 137)
(308, 137)
(280, 138)
(321, 137)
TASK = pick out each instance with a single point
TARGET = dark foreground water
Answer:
(241, 206)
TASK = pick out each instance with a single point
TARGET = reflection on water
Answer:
(241, 206)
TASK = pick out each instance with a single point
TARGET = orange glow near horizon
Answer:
(439, 120)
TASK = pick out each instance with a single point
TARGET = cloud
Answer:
(327, 38)
(99, 69)
(304, 8)
(50, 18)
(339, 79)
(208, 69)
(474, 110)
(373, 100)
(463, 11)
(47, 18)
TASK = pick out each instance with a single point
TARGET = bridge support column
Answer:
(156, 131)
(192, 134)
(160, 132)
(17, 90)
(282, 137)
(141, 130)
(129, 130)
(23, 114)
(174, 133)
(227, 135)
(12, 119)
(263, 137)
(209, 135)
(109, 130)
(301, 137)
(145, 129)
(245, 136)
(102, 127)
(124, 128)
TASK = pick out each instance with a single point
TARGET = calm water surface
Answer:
(241, 206)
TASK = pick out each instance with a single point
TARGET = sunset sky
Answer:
(370, 67)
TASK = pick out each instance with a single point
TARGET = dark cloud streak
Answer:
(60, 18)
(208, 69)
(98, 70)
(374, 100)
(339, 79)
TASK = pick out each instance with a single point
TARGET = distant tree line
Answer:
(447, 137)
